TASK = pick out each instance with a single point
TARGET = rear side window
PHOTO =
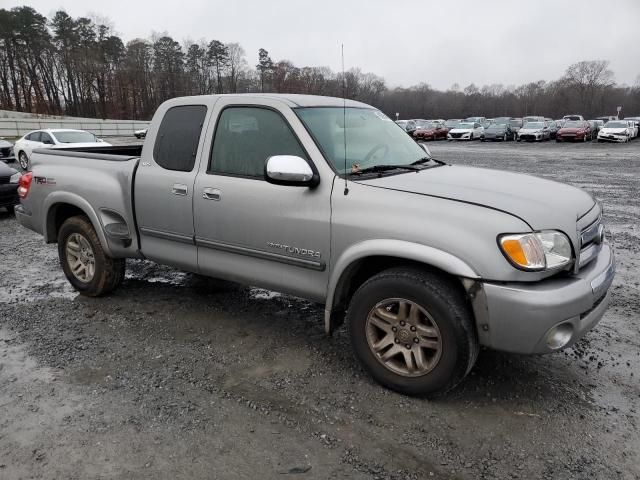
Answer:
(178, 137)
(246, 137)
(34, 137)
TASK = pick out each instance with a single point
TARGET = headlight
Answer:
(544, 250)
(15, 178)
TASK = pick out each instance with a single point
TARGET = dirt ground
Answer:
(174, 376)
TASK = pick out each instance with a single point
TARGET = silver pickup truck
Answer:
(333, 202)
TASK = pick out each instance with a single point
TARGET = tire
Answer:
(108, 273)
(471, 137)
(11, 209)
(450, 317)
(23, 160)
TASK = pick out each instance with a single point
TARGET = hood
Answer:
(497, 128)
(5, 144)
(571, 130)
(426, 130)
(614, 130)
(543, 204)
(82, 144)
(461, 130)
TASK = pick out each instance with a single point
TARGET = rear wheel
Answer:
(413, 331)
(87, 267)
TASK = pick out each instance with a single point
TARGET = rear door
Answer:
(247, 229)
(163, 190)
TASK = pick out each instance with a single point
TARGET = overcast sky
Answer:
(440, 42)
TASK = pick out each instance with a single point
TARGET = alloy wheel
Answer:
(404, 337)
(80, 257)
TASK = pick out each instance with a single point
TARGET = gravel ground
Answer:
(175, 376)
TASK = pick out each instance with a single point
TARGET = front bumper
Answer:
(518, 317)
(494, 136)
(530, 137)
(612, 138)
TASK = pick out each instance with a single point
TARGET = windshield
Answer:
(372, 138)
(515, 123)
(466, 125)
(532, 125)
(616, 125)
(451, 123)
(498, 124)
(75, 137)
(572, 124)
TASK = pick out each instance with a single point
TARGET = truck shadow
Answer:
(268, 320)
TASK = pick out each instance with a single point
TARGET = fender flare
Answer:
(79, 202)
(391, 248)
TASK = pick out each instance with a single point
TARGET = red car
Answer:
(575, 130)
(430, 131)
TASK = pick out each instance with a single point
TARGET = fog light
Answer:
(559, 336)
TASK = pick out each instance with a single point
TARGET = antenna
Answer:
(344, 122)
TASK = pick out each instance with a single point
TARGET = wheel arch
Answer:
(360, 262)
(59, 206)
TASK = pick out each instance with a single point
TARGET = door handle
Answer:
(211, 194)
(179, 189)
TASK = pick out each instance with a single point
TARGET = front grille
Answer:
(5, 152)
(590, 239)
(4, 180)
(527, 137)
(456, 135)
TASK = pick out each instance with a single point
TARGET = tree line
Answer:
(80, 67)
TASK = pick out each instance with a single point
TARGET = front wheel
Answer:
(23, 160)
(87, 267)
(413, 331)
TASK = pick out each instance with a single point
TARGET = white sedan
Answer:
(466, 131)
(53, 138)
(615, 131)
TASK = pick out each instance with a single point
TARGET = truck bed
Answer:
(97, 181)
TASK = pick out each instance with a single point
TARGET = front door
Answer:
(252, 231)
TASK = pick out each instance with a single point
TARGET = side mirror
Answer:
(290, 170)
(426, 149)
(47, 142)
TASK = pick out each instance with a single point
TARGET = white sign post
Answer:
(619, 110)
(397, 115)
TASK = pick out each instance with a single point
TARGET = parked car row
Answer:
(531, 128)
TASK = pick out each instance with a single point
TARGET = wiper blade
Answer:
(422, 160)
(385, 168)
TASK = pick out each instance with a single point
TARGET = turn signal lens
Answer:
(525, 251)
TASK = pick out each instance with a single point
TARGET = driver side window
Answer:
(246, 137)
(46, 138)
